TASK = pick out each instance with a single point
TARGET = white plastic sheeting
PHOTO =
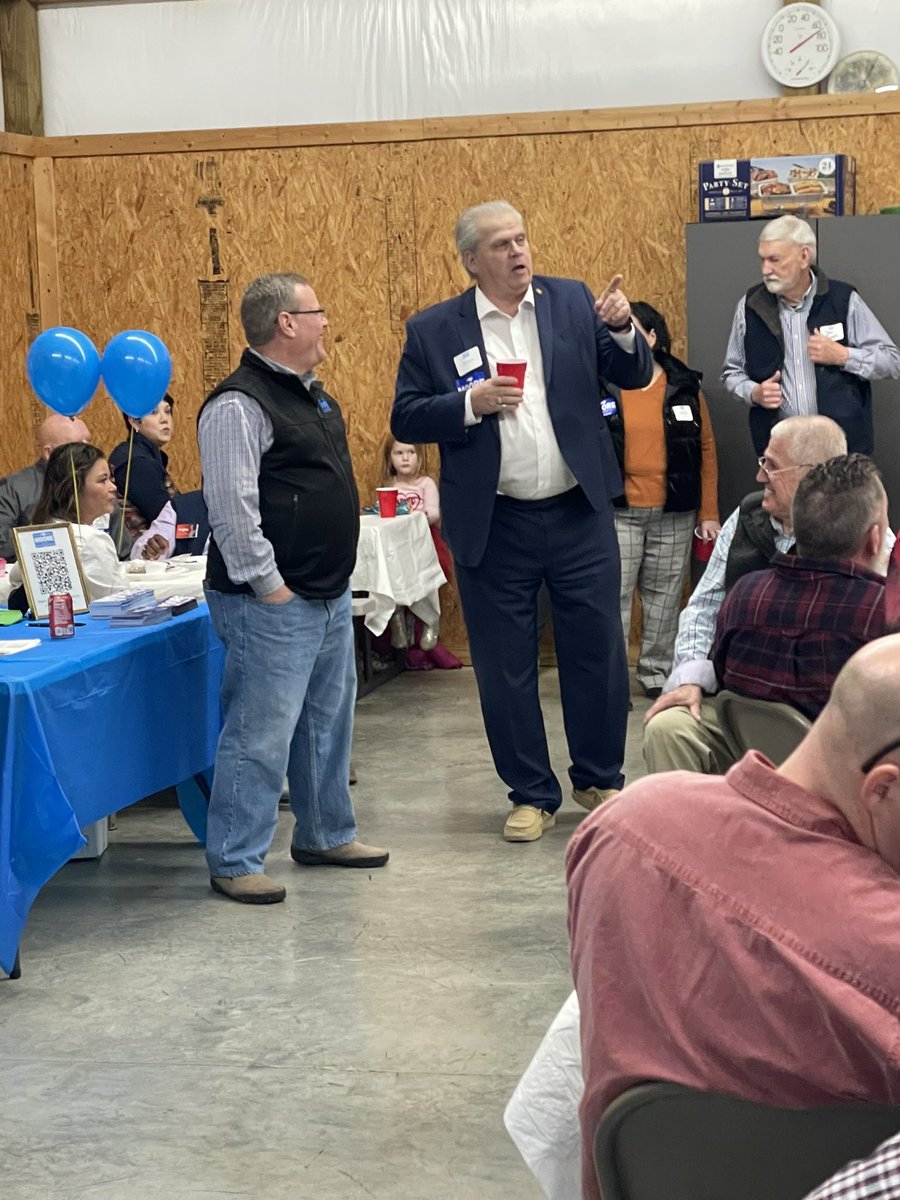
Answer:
(225, 63)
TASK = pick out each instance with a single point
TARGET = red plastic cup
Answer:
(516, 368)
(703, 547)
(387, 502)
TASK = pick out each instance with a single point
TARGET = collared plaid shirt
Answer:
(784, 633)
(874, 1178)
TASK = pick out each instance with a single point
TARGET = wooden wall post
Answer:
(45, 239)
(20, 64)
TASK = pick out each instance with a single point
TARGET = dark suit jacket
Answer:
(576, 350)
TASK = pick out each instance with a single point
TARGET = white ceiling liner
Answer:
(227, 63)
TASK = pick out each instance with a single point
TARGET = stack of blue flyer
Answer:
(153, 613)
(118, 603)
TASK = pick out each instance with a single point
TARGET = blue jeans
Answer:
(287, 704)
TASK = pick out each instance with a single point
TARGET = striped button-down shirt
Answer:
(872, 353)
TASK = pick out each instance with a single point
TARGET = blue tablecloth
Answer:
(89, 725)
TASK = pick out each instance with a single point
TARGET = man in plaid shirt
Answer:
(874, 1178)
(784, 633)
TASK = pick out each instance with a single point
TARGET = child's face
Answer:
(404, 460)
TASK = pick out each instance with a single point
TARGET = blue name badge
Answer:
(465, 382)
(324, 405)
(608, 407)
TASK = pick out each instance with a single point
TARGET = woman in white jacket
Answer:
(79, 470)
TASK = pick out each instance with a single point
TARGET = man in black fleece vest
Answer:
(802, 343)
(284, 514)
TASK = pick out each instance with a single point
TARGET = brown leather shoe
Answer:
(526, 823)
(592, 797)
(351, 854)
(248, 889)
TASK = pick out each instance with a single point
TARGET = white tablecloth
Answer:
(179, 576)
(396, 563)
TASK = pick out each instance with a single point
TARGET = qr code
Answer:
(52, 572)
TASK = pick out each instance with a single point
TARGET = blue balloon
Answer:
(64, 369)
(136, 368)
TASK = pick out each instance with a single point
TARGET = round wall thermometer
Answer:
(800, 45)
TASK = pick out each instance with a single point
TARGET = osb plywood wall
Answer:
(18, 308)
(166, 239)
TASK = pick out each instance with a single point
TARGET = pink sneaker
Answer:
(418, 660)
(443, 659)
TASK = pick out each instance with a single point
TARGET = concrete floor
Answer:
(360, 1039)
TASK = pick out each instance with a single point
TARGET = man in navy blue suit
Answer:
(527, 475)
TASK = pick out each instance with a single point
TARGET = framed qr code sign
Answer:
(49, 562)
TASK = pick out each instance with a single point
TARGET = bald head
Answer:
(859, 727)
(58, 430)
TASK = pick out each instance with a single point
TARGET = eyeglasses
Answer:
(304, 312)
(870, 762)
(773, 471)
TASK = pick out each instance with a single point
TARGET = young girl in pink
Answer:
(400, 469)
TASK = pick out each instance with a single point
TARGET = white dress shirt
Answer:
(531, 463)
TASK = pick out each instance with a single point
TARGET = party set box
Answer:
(807, 185)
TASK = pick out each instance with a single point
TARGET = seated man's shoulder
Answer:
(751, 503)
(655, 807)
(23, 475)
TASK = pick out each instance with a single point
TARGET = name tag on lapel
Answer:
(467, 361)
(835, 332)
(682, 412)
(465, 381)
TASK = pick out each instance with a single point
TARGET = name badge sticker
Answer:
(608, 407)
(324, 406)
(465, 381)
(186, 531)
(835, 332)
(682, 412)
(467, 361)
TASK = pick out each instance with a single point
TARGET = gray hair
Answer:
(468, 227)
(263, 300)
(790, 229)
(835, 506)
(809, 440)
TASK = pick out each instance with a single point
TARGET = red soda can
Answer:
(62, 617)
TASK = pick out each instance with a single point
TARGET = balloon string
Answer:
(74, 487)
(125, 494)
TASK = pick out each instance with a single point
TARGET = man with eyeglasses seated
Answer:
(761, 958)
(748, 539)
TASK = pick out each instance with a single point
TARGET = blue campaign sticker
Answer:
(46, 538)
(324, 405)
(608, 407)
(465, 381)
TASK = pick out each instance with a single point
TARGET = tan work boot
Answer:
(526, 823)
(592, 797)
(351, 854)
(248, 889)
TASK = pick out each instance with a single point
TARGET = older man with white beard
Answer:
(802, 343)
